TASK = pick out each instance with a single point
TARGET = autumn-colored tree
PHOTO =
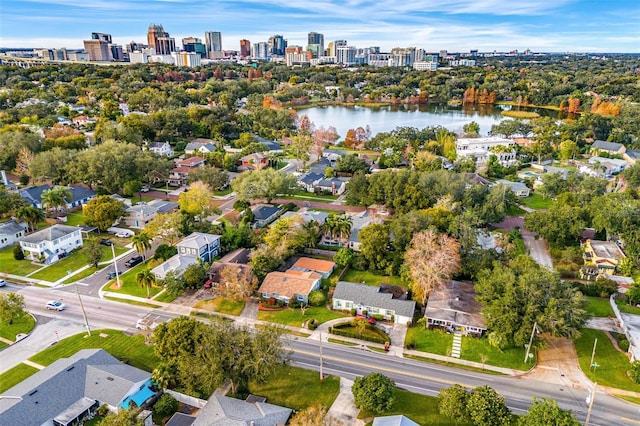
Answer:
(306, 124)
(574, 105)
(236, 283)
(431, 260)
(350, 139)
(25, 157)
(269, 102)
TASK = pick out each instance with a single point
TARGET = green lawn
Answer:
(223, 192)
(128, 349)
(625, 308)
(80, 275)
(231, 308)
(369, 278)
(75, 261)
(133, 302)
(165, 297)
(473, 349)
(612, 365)
(75, 218)
(17, 267)
(293, 317)
(515, 210)
(599, 307)
(422, 409)
(23, 324)
(15, 375)
(129, 284)
(306, 194)
(297, 388)
(536, 202)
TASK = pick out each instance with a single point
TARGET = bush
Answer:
(18, 254)
(312, 324)
(346, 330)
(378, 317)
(165, 406)
(317, 298)
(373, 392)
(353, 311)
(411, 343)
(103, 410)
(601, 287)
(164, 252)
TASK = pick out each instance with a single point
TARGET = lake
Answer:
(387, 118)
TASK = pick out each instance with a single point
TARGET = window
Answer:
(388, 312)
(338, 304)
(347, 304)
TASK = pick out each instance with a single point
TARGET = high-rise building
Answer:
(260, 50)
(317, 38)
(160, 40)
(245, 48)
(316, 50)
(334, 45)
(101, 37)
(346, 55)
(186, 59)
(193, 44)
(116, 52)
(135, 47)
(99, 47)
(213, 44)
(277, 45)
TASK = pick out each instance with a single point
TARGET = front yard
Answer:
(612, 365)
(129, 285)
(599, 307)
(221, 305)
(21, 325)
(294, 317)
(366, 277)
(8, 265)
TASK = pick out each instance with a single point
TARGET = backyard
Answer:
(599, 307)
(294, 317)
(536, 202)
(370, 278)
(612, 366)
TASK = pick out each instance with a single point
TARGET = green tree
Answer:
(453, 403)
(374, 392)
(471, 129)
(173, 285)
(146, 279)
(142, 243)
(487, 408)
(94, 251)
(165, 406)
(561, 223)
(344, 256)
(11, 307)
(545, 412)
(374, 245)
(30, 215)
(131, 187)
(164, 252)
(263, 184)
(216, 178)
(197, 201)
(56, 198)
(122, 418)
(103, 211)
(194, 276)
(18, 254)
(635, 371)
(167, 227)
(301, 146)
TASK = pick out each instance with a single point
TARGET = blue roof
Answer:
(139, 397)
(265, 212)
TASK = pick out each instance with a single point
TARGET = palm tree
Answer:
(142, 243)
(30, 215)
(146, 279)
(52, 199)
(312, 233)
(343, 226)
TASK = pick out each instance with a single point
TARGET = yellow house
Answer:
(604, 255)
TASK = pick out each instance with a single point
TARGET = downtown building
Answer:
(159, 40)
(213, 44)
(99, 47)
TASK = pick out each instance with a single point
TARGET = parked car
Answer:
(133, 261)
(368, 318)
(123, 234)
(144, 189)
(106, 242)
(112, 275)
(2, 283)
(56, 305)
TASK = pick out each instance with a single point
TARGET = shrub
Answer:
(317, 298)
(103, 410)
(312, 324)
(378, 317)
(165, 406)
(373, 392)
(411, 343)
(354, 311)
(164, 252)
(18, 254)
(347, 330)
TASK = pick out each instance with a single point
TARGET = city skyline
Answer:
(454, 25)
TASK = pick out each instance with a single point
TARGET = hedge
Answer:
(378, 338)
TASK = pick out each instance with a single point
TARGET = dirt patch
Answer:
(558, 363)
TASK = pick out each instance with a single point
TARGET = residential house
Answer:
(33, 194)
(290, 285)
(308, 181)
(255, 161)
(608, 147)
(308, 215)
(398, 420)
(547, 169)
(80, 195)
(83, 121)
(177, 264)
(360, 220)
(226, 411)
(320, 166)
(482, 148)
(51, 243)
(477, 179)
(264, 215)
(323, 267)
(237, 259)
(336, 186)
(125, 201)
(453, 306)
(387, 300)
(520, 189)
(200, 146)
(161, 148)
(333, 155)
(4, 180)
(631, 156)
(604, 255)
(179, 175)
(271, 147)
(70, 389)
(524, 142)
(201, 245)
(608, 166)
(139, 215)
(11, 232)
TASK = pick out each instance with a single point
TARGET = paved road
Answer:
(538, 250)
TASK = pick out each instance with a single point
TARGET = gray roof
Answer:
(320, 165)
(271, 146)
(33, 194)
(80, 192)
(455, 302)
(361, 220)
(310, 177)
(515, 186)
(633, 153)
(198, 239)
(51, 233)
(177, 263)
(607, 146)
(308, 216)
(57, 387)
(371, 296)
(195, 146)
(225, 411)
(153, 207)
(180, 419)
(264, 212)
(328, 183)
(10, 228)
(394, 421)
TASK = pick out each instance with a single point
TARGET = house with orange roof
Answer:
(290, 285)
(323, 267)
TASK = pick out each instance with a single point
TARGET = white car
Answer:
(123, 234)
(2, 283)
(56, 305)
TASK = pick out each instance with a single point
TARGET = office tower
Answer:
(334, 45)
(116, 52)
(346, 55)
(277, 45)
(186, 59)
(260, 50)
(317, 38)
(245, 48)
(98, 47)
(135, 47)
(160, 40)
(193, 44)
(316, 50)
(213, 44)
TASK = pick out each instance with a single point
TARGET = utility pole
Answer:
(593, 395)
(115, 265)
(84, 314)
(321, 375)
(593, 353)
(533, 331)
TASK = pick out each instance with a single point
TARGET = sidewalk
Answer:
(343, 408)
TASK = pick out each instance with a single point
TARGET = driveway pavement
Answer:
(538, 250)
(343, 408)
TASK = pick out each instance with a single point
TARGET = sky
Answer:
(433, 25)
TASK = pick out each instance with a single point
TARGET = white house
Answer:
(139, 215)
(520, 189)
(52, 243)
(10, 233)
(200, 146)
(161, 148)
(389, 301)
(196, 247)
(482, 148)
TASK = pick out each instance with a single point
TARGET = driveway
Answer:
(538, 250)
